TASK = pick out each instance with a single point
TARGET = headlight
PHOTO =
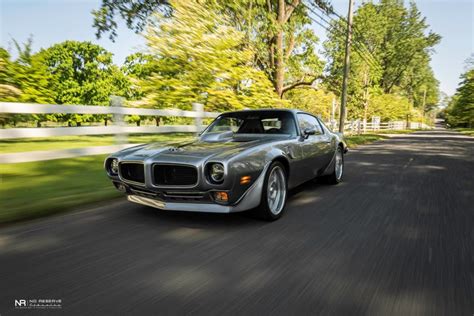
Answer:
(216, 172)
(114, 166)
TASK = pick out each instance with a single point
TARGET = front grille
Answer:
(174, 175)
(134, 172)
(143, 192)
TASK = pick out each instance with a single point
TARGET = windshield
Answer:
(255, 122)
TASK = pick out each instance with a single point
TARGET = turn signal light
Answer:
(221, 196)
(245, 180)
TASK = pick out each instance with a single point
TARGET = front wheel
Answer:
(274, 193)
(336, 176)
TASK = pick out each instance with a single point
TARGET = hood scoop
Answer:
(175, 149)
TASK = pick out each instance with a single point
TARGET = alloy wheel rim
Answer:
(276, 190)
(339, 164)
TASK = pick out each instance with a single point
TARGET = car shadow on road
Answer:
(194, 219)
(204, 219)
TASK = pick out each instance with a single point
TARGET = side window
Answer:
(323, 127)
(307, 121)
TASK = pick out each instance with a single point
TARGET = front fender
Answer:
(254, 163)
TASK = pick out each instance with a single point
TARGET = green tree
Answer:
(391, 52)
(70, 72)
(25, 80)
(30, 75)
(284, 41)
(389, 107)
(198, 56)
(137, 67)
(460, 111)
(278, 32)
(135, 13)
(8, 89)
(317, 101)
(82, 73)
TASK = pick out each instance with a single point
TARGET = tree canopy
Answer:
(198, 56)
(391, 56)
(237, 54)
(460, 111)
(70, 72)
(134, 12)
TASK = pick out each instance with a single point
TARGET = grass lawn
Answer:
(397, 131)
(355, 140)
(68, 142)
(466, 131)
(34, 189)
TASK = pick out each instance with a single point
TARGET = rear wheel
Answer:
(274, 193)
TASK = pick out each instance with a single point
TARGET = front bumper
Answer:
(250, 199)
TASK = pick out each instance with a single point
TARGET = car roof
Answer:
(266, 110)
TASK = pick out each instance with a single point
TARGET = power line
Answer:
(357, 32)
(369, 59)
(357, 46)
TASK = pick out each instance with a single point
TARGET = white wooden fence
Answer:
(116, 109)
(358, 126)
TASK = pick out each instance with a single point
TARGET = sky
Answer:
(53, 21)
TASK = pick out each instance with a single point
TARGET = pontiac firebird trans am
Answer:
(244, 160)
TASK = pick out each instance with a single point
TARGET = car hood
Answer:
(197, 150)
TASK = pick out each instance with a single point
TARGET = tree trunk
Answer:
(279, 64)
(105, 122)
(157, 120)
(138, 123)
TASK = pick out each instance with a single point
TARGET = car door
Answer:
(327, 144)
(314, 147)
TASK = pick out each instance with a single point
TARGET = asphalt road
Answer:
(396, 238)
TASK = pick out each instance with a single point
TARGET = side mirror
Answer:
(309, 131)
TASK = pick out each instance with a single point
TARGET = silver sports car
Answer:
(244, 160)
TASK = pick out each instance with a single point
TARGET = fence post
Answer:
(120, 138)
(198, 107)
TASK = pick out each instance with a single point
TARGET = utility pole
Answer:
(342, 117)
(366, 97)
(423, 108)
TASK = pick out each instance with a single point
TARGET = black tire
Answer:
(263, 211)
(333, 178)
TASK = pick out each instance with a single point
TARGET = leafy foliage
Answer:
(135, 13)
(316, 101)
(393, 58)
(198, 56)
(82, 73)
(237, 54)
(460, 111)
(66, 73)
